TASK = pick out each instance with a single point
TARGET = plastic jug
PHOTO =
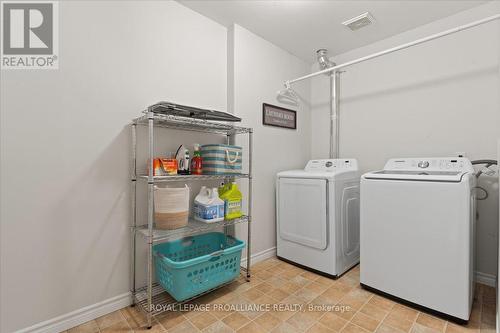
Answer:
(232, 201)
(208, 207)
(223, 188)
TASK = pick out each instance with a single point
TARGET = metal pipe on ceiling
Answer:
(335, 80)
(397, 48)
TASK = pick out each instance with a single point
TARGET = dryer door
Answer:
(302, 212)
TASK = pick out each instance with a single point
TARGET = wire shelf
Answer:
(191, 124)
(161, 300)
(180, 117)
(176, 178)
(174, 109)
(194, 227)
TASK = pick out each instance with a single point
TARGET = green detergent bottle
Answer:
(232, 200)
(223, 188)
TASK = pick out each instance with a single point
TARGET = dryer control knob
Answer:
(423, 164)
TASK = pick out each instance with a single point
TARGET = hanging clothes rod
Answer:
(397, 48)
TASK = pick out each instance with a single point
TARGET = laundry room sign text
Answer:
(273, 115)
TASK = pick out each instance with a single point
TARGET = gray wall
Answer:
(65, 147)
(434, 99)
(65, 142)
(260, 68)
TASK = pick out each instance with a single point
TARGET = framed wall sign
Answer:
(273, 115)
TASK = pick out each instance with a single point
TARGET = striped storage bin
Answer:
(221, 159)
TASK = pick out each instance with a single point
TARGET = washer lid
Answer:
(440, 176)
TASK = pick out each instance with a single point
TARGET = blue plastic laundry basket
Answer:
(192, 265)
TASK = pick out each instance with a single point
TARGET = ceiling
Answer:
(303, 26)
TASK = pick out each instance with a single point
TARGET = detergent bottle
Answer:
(196, 161)
(232, 201)
(223, 188)
(208, 207)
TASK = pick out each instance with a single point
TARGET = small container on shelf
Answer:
(232, 200)
(196, 161)
(171, 207)
(208, 207)
(164, 166)
(219, 159)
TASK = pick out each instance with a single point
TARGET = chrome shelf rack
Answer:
(152, 298)
(176, 178)
(194, 227)
(188, 124)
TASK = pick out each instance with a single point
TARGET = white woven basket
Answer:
(171, 207)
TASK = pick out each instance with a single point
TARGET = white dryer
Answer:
(418, 231)
(318, 215)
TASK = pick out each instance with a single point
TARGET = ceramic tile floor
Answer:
(276, 282)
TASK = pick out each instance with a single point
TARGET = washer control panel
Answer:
(430, 164)
(332, 165)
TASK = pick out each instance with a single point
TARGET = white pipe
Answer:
(334, 115)
(397, 48)
(336, 105)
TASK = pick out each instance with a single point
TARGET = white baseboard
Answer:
(94, 311)
(80, 316)
(260, 256)
(487, 279)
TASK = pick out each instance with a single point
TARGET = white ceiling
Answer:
(302, 27)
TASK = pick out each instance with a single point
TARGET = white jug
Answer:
(208, 207)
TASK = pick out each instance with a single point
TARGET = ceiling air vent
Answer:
(359, 21)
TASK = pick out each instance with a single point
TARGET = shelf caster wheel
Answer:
(149, 327)
(132, 305)
(248, 277)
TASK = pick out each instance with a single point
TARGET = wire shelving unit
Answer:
(152, 298)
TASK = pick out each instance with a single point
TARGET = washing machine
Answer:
(317, 212)
(418, 233)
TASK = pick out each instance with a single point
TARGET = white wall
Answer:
(65, 147)
(430, 100)
(260, 68)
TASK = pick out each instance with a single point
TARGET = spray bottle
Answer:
(196, 162)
